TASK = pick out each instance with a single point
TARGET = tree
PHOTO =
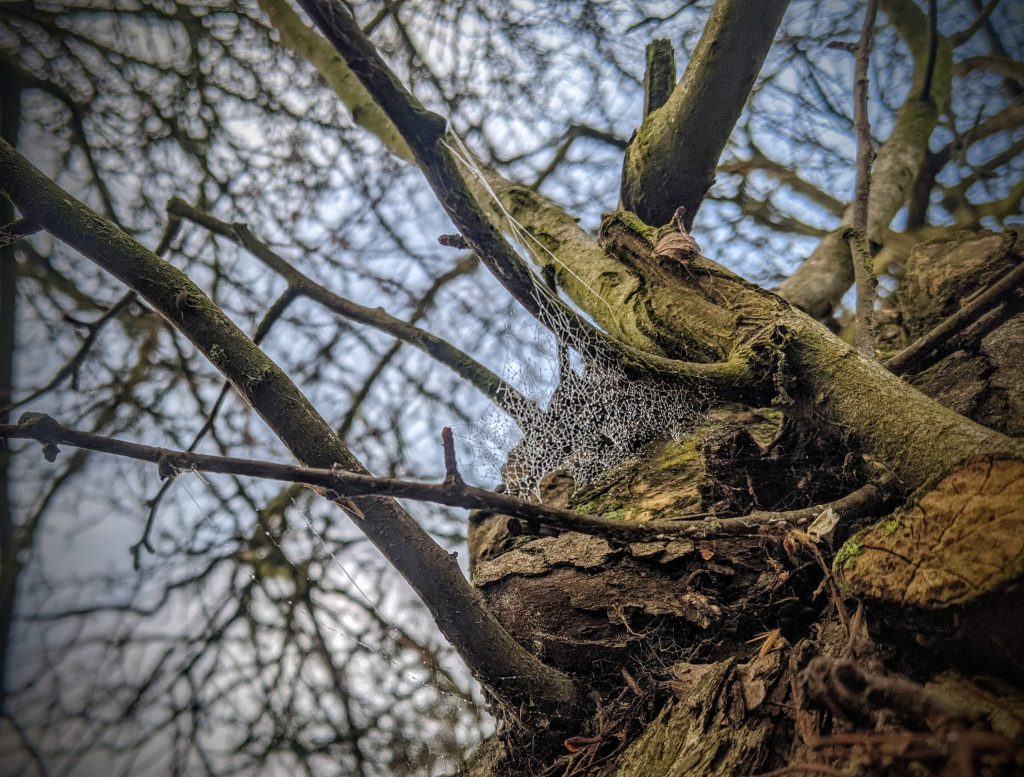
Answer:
(728, 542)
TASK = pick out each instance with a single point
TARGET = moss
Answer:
(631, 222)
(673, 454)
(848, 553)
(216, 355)
(890, 527)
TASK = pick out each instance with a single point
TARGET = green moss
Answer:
(673, 454)
(848, 553)
(631, 222)
(890, 527)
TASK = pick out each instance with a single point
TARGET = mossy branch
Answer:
(822, 279)
(426, 134)
(671, 161)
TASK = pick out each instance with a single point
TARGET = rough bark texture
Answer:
(731, 656)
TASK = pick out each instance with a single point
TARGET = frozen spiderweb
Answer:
(595, 414)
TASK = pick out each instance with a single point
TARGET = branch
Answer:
(574, 133)
(823, 278)
(505, 396)
(659, 74)
(959, 38)
(273, 314)
(942, 340)
(452, 491)
(1003, 66)
(933, 49)
(760, 161)
(596, 282)
(491, 653)
(425, 133)
(670, 163)
(15, 231)
(72, 366)
(1007, 119)
(318, 52)
(857, 237)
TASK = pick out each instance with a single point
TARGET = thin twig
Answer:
(451, 465)
(171, 230)
(933, 50)
(452, 492)
(71, 368)
(858, 236)
(505, 396)
(12, 233)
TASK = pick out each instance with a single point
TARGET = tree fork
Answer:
(671, 160)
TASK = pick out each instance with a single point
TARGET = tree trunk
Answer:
(740, 654)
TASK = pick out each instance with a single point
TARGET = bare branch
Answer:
(71, 368)
(273, 314)
(857, 237)
(492, 654)
(959, 38)
(505, 396)
(823, 278)
(452, 492)
(1004, 66)
(784, 174)
(933, 49)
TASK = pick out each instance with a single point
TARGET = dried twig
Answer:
(452, 491)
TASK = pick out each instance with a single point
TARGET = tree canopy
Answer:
(344, 271)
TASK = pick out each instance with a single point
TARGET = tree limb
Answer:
(857, 237)
(494, 657)
(318, 52)
(670, 163)
(452, 491)
(822, 279)
(425, 132)
(505, 396)
(659, 74)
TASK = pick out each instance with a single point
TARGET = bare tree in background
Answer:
(724, 541)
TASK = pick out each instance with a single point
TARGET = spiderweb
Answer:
(594, 414)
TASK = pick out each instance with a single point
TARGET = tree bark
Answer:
(670, 162)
